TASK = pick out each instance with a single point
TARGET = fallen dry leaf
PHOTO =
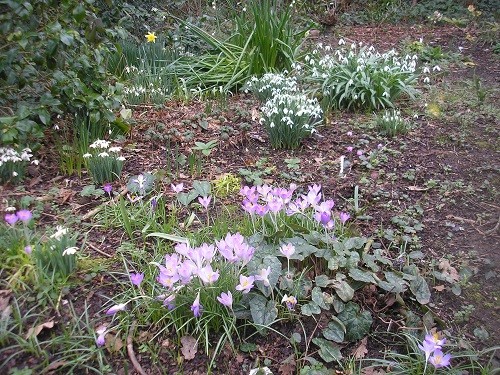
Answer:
(288, 366)
(372, 371)
(113, 343)
(53, 366)
(35, 331)
(4, 299)
(189, 347)
(361, 350)
(439, 288)
(448, 270)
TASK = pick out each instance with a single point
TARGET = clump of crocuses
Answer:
(432, 346)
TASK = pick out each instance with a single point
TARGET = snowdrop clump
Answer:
(271, 84)
(289, 118)
(104, 161)
(13, 163)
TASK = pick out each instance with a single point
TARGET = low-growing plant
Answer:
(104, 162)
(358, 78)
(271, 84)
(55, 258)
(391, 123)
(13, 164)
(289, 118)
(226, 184)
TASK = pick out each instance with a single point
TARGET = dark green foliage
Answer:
(53, 62)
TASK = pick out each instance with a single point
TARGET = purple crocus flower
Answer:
(290, 302)
(359, 152)
(177, 188)
(287, 250)
(114, 309)
(350, 148)
(226, 299)
(169, 302)
(196, 307)
(205, 201)
(101, 338)
(154, 204)
(24, 215)
(246, 284)
(263, 275)
(439, 359)
(11, 218)
(208, 275)
(344, 216)
(322, 217)
(28, 249)
(261, 210)
(108, 188)
(136, 278)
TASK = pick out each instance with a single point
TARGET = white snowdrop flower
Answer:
(460, 49)
(436, 68)
(87, 155)
(55, 127)
(103, 154)
(35, 162)
(115, 149)
(341, 42)
(426, 70)
(120, 158)
(60, 231)
(70, 251)
(426, 80)
(14, 174)
(10, 209)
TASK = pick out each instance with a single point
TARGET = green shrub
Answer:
(52, 62)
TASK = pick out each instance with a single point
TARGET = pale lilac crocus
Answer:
(167, 281)
(169, 302)
(108, 188)
(226, 299)
(208, 275)
(428, 348)
(196, 307)
(116, 308)
(359, 152)
(263, 275)
(24, 215)
(435, 339)
(205, 201)
(344, 216)
(101, 338)
(177, 188)
(28, 249)
(11, 219)
(136, 278)
(287, 250)
(350, 148)
(246, 284)
(439, 359)
(290, 302)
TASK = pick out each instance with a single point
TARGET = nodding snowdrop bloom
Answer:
(70, 251)
(60, 232)
(436, 68)
(341, 42)
(427, 80)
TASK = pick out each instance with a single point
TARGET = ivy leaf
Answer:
(263, 312)
(328, 351)
(360, 275)
(344, 290)
(357, 323)
(203, 188)
(317, 297)
(420, 289)
(335, 330)
(310, 309)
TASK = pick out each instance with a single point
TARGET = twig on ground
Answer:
(91, 213)
(130, 350)
(494, 229)
(99, 250)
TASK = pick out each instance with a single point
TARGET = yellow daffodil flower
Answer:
(151, 37)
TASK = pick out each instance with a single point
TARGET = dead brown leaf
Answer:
(53, 366)
(288, 366)
(35, 331)
(447, 269)
(113, 343)
(189, 347)
(4, 299)
(361, 350)
(372, 371)
(439, 288)
(66, 194)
